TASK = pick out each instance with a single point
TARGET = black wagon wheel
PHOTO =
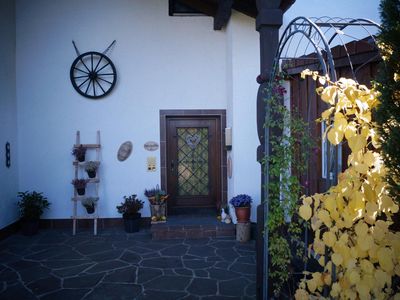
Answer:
(93, 75)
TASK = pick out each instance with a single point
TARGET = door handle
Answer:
(172, 166)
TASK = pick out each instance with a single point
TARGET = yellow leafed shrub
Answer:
(351, 220)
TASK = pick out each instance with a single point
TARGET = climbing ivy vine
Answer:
(291, 144)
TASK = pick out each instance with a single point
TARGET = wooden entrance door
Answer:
(193, 162)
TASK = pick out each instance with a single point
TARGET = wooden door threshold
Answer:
(196, 211)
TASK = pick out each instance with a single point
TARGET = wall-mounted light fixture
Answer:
(228, 138)
(8, 155)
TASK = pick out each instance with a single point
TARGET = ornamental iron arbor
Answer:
(313, 42)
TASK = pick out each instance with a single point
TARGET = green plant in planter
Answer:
(90, 204)
(31, 206)
(242, 204)
(241, 200)
(79, 153)
(130, 207)
(130, 212)
(80, 185)
(157, 199)
(91, 168)
(156, 195)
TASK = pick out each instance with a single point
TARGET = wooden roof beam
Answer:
(246, 7)
(210, 9)
(286, 4)
(223, 13)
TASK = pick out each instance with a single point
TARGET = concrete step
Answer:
(191, 227)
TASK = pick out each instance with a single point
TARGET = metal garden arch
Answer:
(312, 39)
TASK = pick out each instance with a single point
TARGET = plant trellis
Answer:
(312, 39)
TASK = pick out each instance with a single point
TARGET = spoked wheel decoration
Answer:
(92, 74)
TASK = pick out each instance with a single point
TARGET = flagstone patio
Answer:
(116, 265)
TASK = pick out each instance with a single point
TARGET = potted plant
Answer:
(242, 204)
(130, 212)
(91, 168)
(80, 185)
(79, 152)
(31, 207)
(90, 204)
(158, 204)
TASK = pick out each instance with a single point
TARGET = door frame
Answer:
(220, 114)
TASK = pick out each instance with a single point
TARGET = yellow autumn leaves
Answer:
(352, 219)
(349, 101)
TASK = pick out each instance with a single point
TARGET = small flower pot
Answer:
(81, 191)
(132, 223)
(242, 214)
(89, 209)
(158, 213)
(152, 199)
(91, 174)
(29, 227)
(80, 158)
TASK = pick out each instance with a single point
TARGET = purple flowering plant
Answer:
(241, 200)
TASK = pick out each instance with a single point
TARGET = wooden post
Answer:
(97, 183)
(75, 202)
(243, 232)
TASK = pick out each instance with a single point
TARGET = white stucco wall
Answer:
(162, 62)
(8, 115)
(243, 59)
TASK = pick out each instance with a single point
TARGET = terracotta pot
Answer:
(242, 214)
(80, 191)
(81, 158)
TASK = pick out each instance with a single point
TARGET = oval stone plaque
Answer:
(151, 146)
(124, 151)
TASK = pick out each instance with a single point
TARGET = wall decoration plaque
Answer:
(124, 151)
(151, 146)
(151, 163)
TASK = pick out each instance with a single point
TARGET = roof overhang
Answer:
(221, 10)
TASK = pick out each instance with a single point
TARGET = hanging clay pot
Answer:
(91, 174)
(89, 208)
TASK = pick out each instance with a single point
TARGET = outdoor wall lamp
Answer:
(228, 138)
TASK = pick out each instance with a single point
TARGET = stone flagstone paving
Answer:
(116, 265)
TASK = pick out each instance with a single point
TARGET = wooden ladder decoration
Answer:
(79, 169)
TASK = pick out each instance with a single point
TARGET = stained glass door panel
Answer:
(193, 162)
